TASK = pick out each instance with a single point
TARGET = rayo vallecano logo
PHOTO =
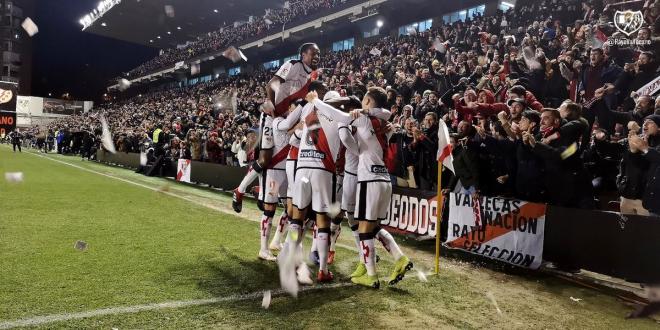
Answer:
(628, 21)
(5, 96)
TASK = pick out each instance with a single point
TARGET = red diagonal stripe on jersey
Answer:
(284, 105)
(529, 210)
(293, 152)
(279, 157)
(322, 145)
(379, 131)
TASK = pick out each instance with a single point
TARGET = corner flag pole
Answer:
(438, 220)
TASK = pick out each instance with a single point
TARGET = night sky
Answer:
(65, 59)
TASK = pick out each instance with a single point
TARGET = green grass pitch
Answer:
(151, 241)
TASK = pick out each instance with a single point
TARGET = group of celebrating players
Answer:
(323, 154)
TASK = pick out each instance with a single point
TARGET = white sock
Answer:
(369, 255)
(314, 239)
(389, 244)
(322, 240)
(356, 234)
(335, 230)
(294, 234)
(281, 227)
(247, 180)
(265, 231)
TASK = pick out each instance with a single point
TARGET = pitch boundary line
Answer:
(39, 320)
(188, 199)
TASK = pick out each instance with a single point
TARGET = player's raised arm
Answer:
(328, 110)
(347, 138)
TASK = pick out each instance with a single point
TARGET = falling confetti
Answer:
(286, 262)
(334, 210)
(124, 84)
(106, 137)
(29, 27)
(265, 303)
(14, 177)
(234, 54)
(421, 276)
(491, 296)
(194, 68)
(169, 11)
(80, 245)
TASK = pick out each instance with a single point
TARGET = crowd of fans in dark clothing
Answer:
(539, 106)
(220, 39)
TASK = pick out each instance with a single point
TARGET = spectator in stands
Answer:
(401, 160)
(425, 145)
(465, 161)
(599, 72)
(649, 146)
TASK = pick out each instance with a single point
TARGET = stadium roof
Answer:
(143, 21)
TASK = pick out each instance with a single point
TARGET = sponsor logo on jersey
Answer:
(310, 153)
(380, 169)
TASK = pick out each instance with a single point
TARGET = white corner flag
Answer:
(444, 147)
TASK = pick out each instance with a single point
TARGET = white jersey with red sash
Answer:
(281, 145)
(319, 143)
(371, 136)
(297, 77)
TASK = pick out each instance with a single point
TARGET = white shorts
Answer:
(373, 200)
(290, 176)
(316, 187)
(273, 186)
(349, 186)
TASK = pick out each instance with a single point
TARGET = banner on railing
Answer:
(508, 230)
(412, 211)
(183, 170)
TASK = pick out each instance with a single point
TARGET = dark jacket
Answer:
(466, 167)
(607, 73)
(651, 199)
(632, 174)
(399, 156)
(427, 150)
(567, 181)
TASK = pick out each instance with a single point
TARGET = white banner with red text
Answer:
(504, 229)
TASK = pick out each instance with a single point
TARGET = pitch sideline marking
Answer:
(39, 320)
(219, 209)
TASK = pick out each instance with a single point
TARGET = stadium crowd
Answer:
(539, 105)
(217, 40)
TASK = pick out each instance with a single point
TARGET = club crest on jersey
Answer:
(628, 21)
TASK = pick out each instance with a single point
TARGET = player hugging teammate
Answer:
(307, 144)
